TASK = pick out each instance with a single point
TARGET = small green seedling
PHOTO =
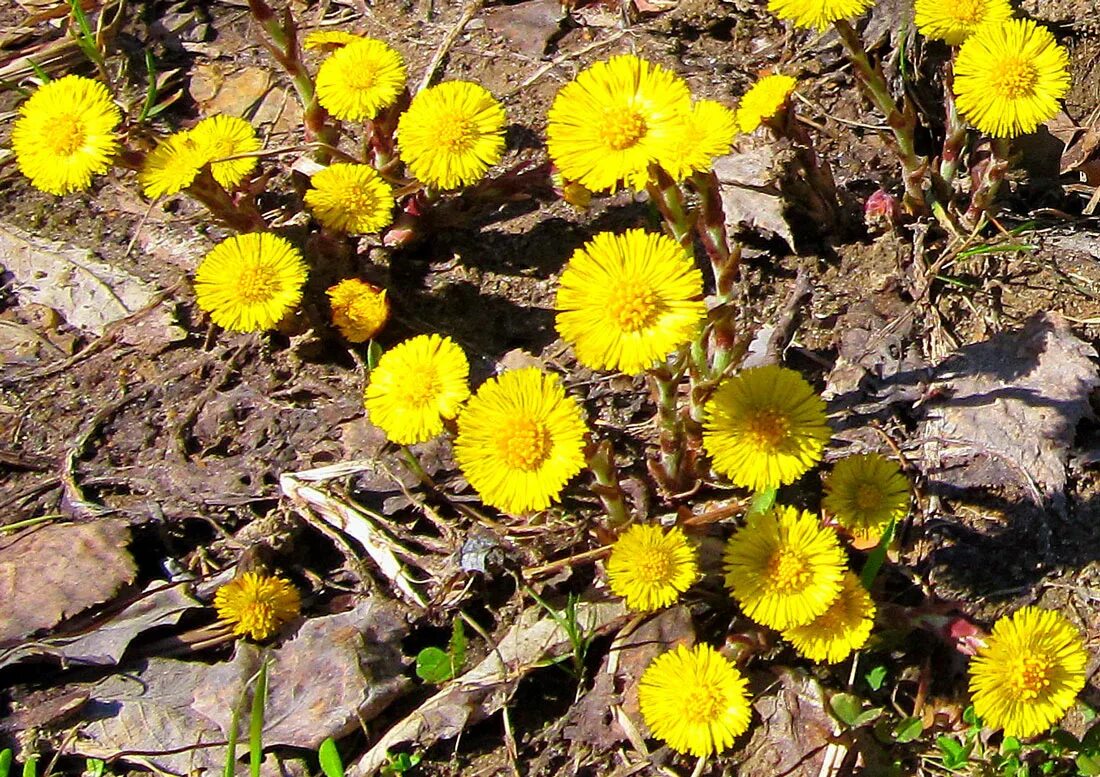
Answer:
(329, 757)
(435, 665)
(400, 763)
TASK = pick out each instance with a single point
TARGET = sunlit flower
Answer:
(351, 198)
(360, 79)
(451, 134)
(841, 629)
(626, 301)
(650, 567)
(65, 134)
(329, 39)
(218, 137)
(709, 128)
(1009, 78)
(784, 568)
(694, 699)
(257, 605)
(615, 118)
(1029, 672)
(817, 13)
(249, 282)
(864, 493)
(359, 309)
(520, 440)
(171, 166)
(953, 21)
(763, 101)
(416, 385)
(765, 427)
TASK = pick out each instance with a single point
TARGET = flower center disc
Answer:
(358, 199)
(768, 428)
(704, 705)
(868, 497)
(255, 284)
(622, 128)
(419, 388)
(456, 134)
(968, 12)
(361, 78)
(66, 136)
(1014, 78)
(634, 307)
(656, 568)
(788, 571)
(525, 445)
(1032, 676)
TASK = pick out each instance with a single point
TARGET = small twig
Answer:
(468, 13)
(532, 573)
(788, 318)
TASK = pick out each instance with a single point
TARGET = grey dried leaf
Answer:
(794, 732)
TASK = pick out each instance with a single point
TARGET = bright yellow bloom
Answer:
(1029, 672)
(65, 134)
(763, 101)
(257, 605)
(218, 137)
(864, 493)
(250, 282)
(351, 198)
(694, 699)
(359, 309)
(451, 134)
(1009, 78)
(520, 440)
(709, 128)
(615, 118)
(650, 568)
(171, 166)
(784, 568)
(844, 627)
(817, 13)
(359, 80)
(329, 39)
(416, 385)
(765, 427)
(626, 301)
(952, 22)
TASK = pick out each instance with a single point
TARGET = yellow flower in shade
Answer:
(218, 137)
(351, 198)
(360, 79)
(1009, 78)
(626, 301)
(359, 309)
(650, 568)
(1029, 672)
(65, 134)
(709, 128)
(784, 568)
(416, 385)
(764, 100)
(844, 627)
(864, 493)
(171, 166)
(694, 699)
(952, 22)
(615, 118)
(451, 134)
(765, 427)
(817, 13)
(520, 440)
(329, 39)
(257, 605)
(249, 282)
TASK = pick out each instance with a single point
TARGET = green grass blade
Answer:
(5, 762)
(256, 726)
(329, 757)
(30, 768)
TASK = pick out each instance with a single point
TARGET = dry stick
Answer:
(788, 318)
(444, 49)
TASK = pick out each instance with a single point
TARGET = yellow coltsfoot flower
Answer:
(650, 567)
(763, 101)
(953, 22)
(864, 493)
(359, 309)
(172, 166)
(351, 198)
(360, 79)
(257, 605)
(220, 137)
(709, 129)
(818, 13)
(843, 628)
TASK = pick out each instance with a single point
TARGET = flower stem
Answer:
(669, 199)
(240, 215)
(670, 467)
(417, 469)
(954, 130)
(985, 193)
(601, 462)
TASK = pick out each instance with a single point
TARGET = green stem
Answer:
(601, 462)
(986, 192)
(664, 384)
(669, 199)
(241, 216)
(417, 469)
(954, 130)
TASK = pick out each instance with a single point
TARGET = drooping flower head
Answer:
(952, 22)
(257, 605)
(359, 80)
(416, 385)
(844, 627)
(613, 119)
(359, 309)
(650, 567)
(172, 166)
(351, 198)
(1009, 78)
(220, 137)
(65, 134)
(626, 301)
(452, 134)
(764, 100)
(329, 39)
(784, 568)
(765, 427)
(520, 440)
(817, 13)
(864, 493)
(709, 128)
(1029, 672)
(694, 699)
(247, 283)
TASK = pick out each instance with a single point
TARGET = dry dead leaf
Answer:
(750, 190)
(529, 27)
(794, 732)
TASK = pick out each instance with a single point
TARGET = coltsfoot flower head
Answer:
(65, 134)
(172, 166)
(817, 13)
(650, 568)
(864, 493)
(329, 39)
(218, 137)
(764, 100)
(694, 699)
(765, 427)
(451, 134)
(626, 301)
(520, 440)
(351, 198)
(615, 118)
(1029, 672)
(1009, 78)
(257, 605)
(416, 385)
(709, 128)
(784, 568)
(953, 22)
(841, 629)
(247, 283)
(359, 309)
(359, 80)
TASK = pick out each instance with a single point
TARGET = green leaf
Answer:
(329, 757)
(433, 665)
(5, 761)
(763, 501)
(970, 717)
(876, 677)
(954, 754)
(457, 646)
(95, 767)
(30, 768)
(374, 353)
(1010, 746)
(847, 708)
(877, 557)
(1088, 765)
(908, 729)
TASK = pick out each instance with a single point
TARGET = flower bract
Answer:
(817, 13)
(257, 605)
(841, 629)
(650, 567)
(952, 22)
(218, 137)
(171, 166)
(764, 100)
(329, 39)
(864, 493)
(351, 198)
(359, 80)
(359, 309)
(709, 128)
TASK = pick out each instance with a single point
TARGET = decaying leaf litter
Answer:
(150, 456)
